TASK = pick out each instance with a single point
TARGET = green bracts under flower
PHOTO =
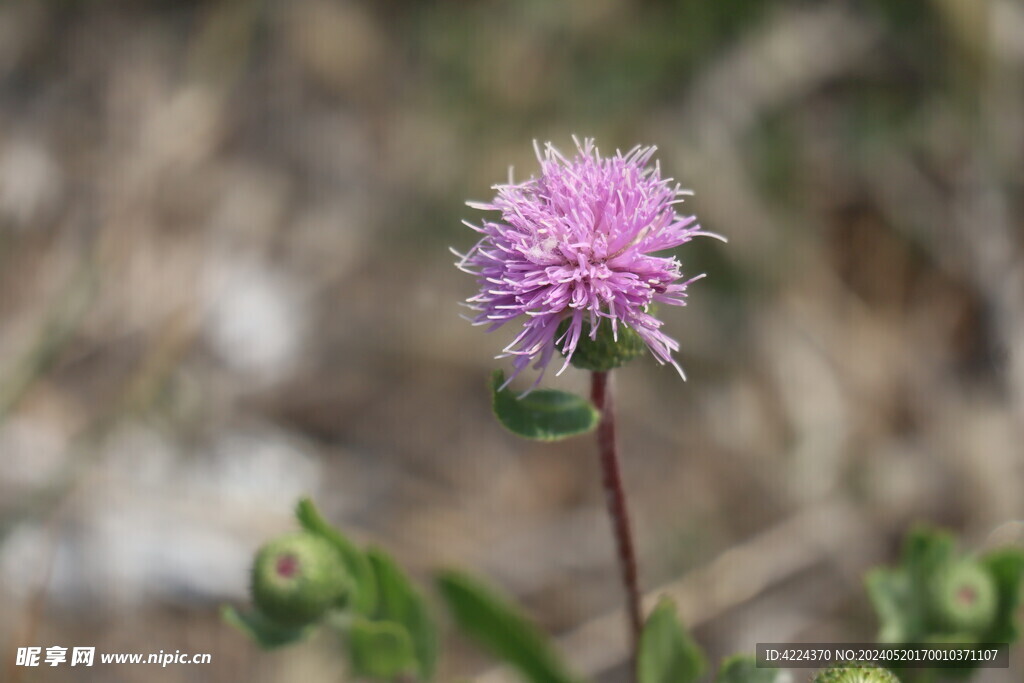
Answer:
(607, 351)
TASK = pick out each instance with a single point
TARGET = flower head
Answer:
(578, 245)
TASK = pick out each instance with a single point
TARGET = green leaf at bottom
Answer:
(399, 602)
(380, 649)
(542, 415)
(264, 632)
(1007, 569)
(500, 628)
(667, 652)
(897, 605)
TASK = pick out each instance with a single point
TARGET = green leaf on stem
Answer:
(897, 605)
(364, 595)
(380, 649)
(262, 630)
(902, 595)
(1006, 567)
(498, 626)
(667, 652)
(399, 602)
(542, 415)
(927, 551)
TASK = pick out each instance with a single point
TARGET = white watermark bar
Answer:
(58, 655)
(903, 656)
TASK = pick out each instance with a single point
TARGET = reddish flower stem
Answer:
(615, 494)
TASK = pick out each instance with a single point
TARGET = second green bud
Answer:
(297, 578)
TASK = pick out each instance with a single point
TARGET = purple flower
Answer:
(580, 243)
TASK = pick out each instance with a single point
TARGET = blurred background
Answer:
(225, 283)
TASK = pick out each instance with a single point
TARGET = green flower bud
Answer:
(605, 352)
(297, 578)
(856, 672)
(964, 598)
